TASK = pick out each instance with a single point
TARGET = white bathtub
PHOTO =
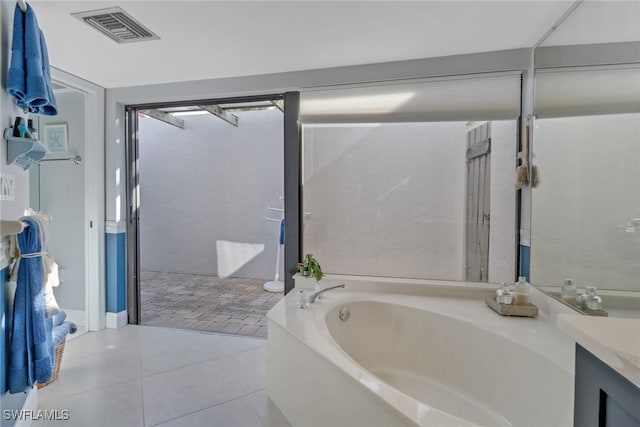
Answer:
(417, 360)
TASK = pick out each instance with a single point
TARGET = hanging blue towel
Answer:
(16, 80)
(29, 79)
(31, 351)
(49, 108)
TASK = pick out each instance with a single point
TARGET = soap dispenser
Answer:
(593, 301)
(522, 291)
(504, 295)
(20, 129)
(32, 130)
(569, 292)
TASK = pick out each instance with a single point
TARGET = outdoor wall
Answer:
(62, 190)
(389, 199)
(588, 196)
(204, 194)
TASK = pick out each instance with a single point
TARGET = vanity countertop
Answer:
(615, 341)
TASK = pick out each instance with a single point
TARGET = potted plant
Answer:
(303, 269)
(311, 268)
(314, 270)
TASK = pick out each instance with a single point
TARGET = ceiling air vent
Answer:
(117, 24)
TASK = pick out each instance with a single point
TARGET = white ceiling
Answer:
(213, 39)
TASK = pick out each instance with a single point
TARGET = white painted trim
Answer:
(95, 304)
(115, 227)
(116, 320)
(30, 405)
(79, 317)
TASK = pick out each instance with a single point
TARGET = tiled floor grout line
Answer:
(147, 398)
(213, 406)
(144, 421)
(202, 362)
(102, 386)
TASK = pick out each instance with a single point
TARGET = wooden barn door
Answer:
(478, 203)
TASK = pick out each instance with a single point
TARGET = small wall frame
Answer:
(55, 138)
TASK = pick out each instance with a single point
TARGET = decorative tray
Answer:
(511, 309)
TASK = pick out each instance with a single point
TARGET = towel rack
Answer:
(11, 227)
(24, 152)
(76, 159)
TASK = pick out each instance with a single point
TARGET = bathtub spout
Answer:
(312, 298)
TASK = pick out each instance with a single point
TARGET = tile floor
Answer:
(151, 376)
(206, 303)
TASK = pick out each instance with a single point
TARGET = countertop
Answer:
(615, 341)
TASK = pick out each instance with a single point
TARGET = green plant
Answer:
(314, 266)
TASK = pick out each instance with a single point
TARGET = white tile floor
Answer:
(150, 376)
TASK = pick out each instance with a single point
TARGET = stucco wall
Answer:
(204, 194)
(589, 192)
(389, 199)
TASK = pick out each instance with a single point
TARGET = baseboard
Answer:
(79, 317)
(117, 320)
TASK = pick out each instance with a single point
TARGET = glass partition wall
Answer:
(413, 180)
(586, 210)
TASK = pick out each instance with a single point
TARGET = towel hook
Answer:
(23, 6)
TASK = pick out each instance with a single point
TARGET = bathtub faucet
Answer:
(312, 298)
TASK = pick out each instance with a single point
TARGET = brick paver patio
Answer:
(205, 303)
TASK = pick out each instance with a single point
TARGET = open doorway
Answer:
(209, 208)
(66, 188)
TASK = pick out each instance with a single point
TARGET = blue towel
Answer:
(49, 108)
(62, 327)
(29, 79)
(31, 351)
(16, 80)
(59, 318)
(282, 232)
(62, 330)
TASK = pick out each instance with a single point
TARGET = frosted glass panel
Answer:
(586, 212)
(436, 99)
(391, 199)
(594, 90)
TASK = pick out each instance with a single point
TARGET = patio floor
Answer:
(205, 303)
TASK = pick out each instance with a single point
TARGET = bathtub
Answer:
(431, 358)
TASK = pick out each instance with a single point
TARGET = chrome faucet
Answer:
(312, 297)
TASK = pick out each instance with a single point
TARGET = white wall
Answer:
(389, 199)
(8, 209)
(62, 190)
(589, 191)
(8, 112)
(204, 193)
